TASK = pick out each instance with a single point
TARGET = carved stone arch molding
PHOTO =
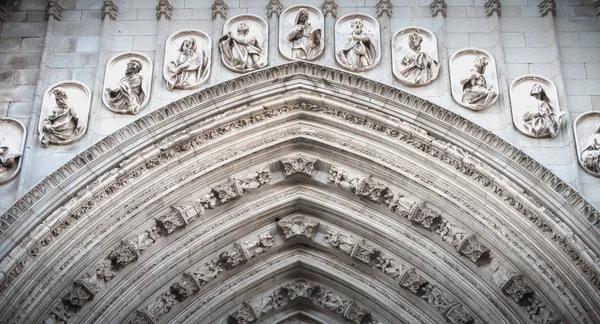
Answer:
(301, 172)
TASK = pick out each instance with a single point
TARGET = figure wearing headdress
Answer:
(63, 124)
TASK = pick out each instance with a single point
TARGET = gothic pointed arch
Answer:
(301, 190)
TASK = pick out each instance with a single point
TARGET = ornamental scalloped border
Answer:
(52, 184)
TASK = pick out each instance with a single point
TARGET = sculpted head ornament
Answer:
(414, 41)
(61, 97)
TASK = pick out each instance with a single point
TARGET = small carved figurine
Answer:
(305, 39)
(62, 124)
(360, 52)
(590, 156)
(419, 67)
(241, 52)
(543, 120)
(189, 68)
(7, 157)
(476, 92)
(130, 95)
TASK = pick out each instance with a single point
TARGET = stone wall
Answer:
(36, 53)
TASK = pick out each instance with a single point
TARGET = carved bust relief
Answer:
(587, 139)
(357, 43)
(12, 146)
(127, 83)
(473, 78)
(301, 33)
(65, 111)
(415, 56)
(187, 59)
(535, 107)
(244, 44)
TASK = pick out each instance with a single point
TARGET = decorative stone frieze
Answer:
(412, 281)
(357, 30)
(415, 59)
(368, 188)
(12, 146)
(342, 241)
(233, 257)
(384, 7)
(127, 83)
(172, 220)
(274, 7)
(244, 315)
(587, 140)
(329, 7)
(54, 10)
(129, 249)
(141, 318)
(206, 272)
(438, 7)
(535, 107)
(366, 253)
(512, 284)
(219, 8)
(185, 287)
(301, 33)
(493, 6)
(547, 6)
(258, 245)
(164, 8)
(187, 59)
(539, 313)
(77, 296)
(298, 226)
(298, 163)
(110, 9)
(65, 112)
(244, 43)
(234, 188)
(465, 243)
(424, 216)
(473, 78)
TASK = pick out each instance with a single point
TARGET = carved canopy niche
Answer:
(228, 205)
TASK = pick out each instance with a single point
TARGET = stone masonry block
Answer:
(88, 43)
(120, 43)
(579, 24)
(574, 70)
(590, 39)
(32, 45)
(83, 28)
(20, 109)
(22, 61)
(582, 87)
(28, 76)
(537, 39)
(578, 55)
(568, 39)
(579, 103)
(17, 93)
(10, 44)
(513, 39)
(514, 24)
(71, 60)
(144, 43)
(133, 28)
(593, 72)
(23, 29)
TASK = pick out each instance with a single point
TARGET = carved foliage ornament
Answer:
(244, 43)
(219, 8)
(164, 8)
(384, 7)
(54, 10)
(535, 106)
(298, 226)
(357, 42)
(438, 7)
(547, 6)
(274, 7)
(415, 56)
(493, 6)
(110, 9)
(301, 33)
(12, 144)
(329, 7)
(65, 111)
(298, 164)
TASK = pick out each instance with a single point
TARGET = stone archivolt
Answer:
(117, 183)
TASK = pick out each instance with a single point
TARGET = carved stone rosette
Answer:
(535, 107)
(357, 30)
(298, 226)
(473, 78)
(298, 164)
(65, 110)
(187, 59)
(127, 83)
(12, 146)
(301, 33)
(415, 59)
(245, 43)
(587, 140)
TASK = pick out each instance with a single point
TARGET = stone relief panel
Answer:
(301, 33)
(244, 43)
(187, 59)
(65, 111)
(357, 42)
(535, 107)
(473, 78)
(127, 83)
(415, 56)
(12, 146)
(587, 139)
